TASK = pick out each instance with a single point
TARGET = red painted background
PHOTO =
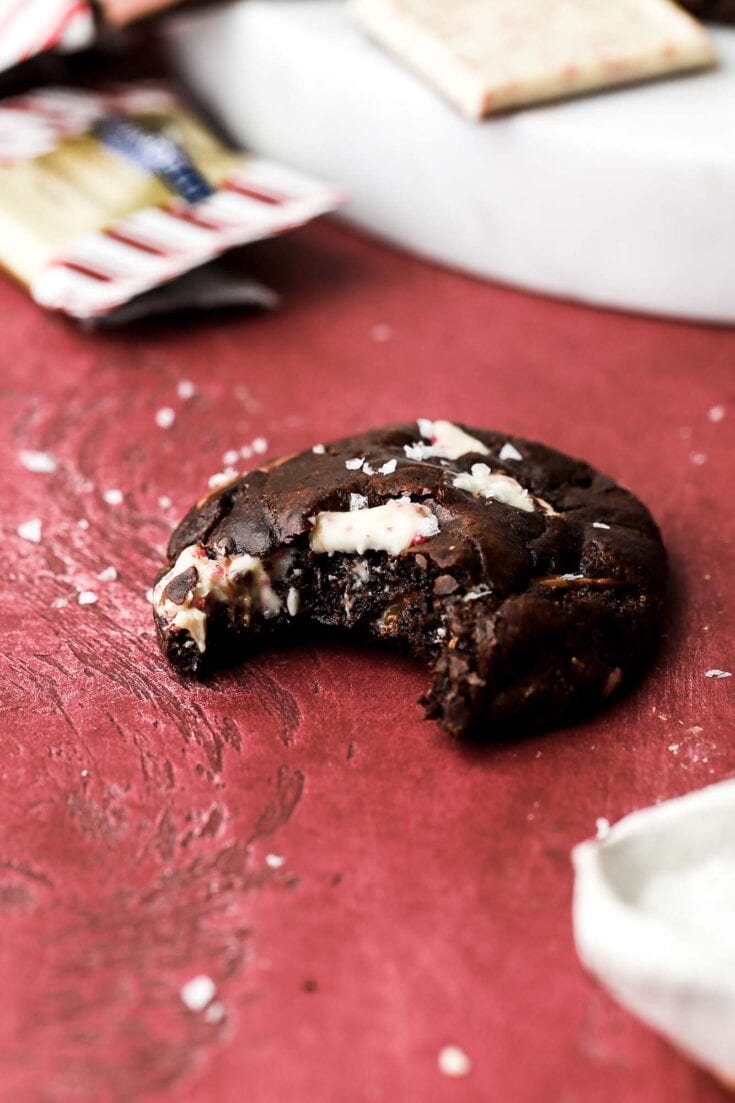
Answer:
(424, 897)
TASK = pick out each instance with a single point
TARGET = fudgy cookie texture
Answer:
(721, 11)
(531, 584)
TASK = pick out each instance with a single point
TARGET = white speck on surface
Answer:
(165, 417)
(109, 574)
(165, 502)
(381, 333)
(695, 730)
(274, 861)
(198, 992)
(355, 464)
(260, 445)
(221, 478)
(674, 748)
(509, 452)
(602, 827)
(388, 467)
(40, 462)
(87, 597)
(215, 1013)
(599, 525)
(185, 389)
(716, 413)
(318, 449)
(59, 603)
(697, 458)
(358, 501)
(31, 531)
(230, 457)
(83, 523)
(113, 497)
(718, 674)
(246, 452)
(293, 601)
(571, 577)
(453, 1061)
(84, 773)
(367, 469)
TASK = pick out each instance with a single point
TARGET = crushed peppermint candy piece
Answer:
(221, 478)
(718, 674)
(599, 525)
(318, 449)
(454, 1062)
(355, 464)
(509, 452)
(31, 530)
(716, 413)
(358, 501)
(388, 467)
(109, 574)
(87, 597)
(165, 417)
(198, 992)
(185, 389)
(113, 497)
(39, 462)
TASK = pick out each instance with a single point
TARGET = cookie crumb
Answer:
(40, 462)
(31, 531)
(86, 597)
(388, 467)
(198, 992)
(113, 497)
(318, 449)
(453, 1061)
(355, 464)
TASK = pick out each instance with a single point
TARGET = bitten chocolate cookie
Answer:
(530, 583)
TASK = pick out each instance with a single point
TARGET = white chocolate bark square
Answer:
(490, 55)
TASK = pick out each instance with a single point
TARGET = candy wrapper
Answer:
(29, 27)
(106, 195)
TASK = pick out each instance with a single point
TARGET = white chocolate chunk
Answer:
(227, 578)
(487, 56)
(501, 488)
(392, 528)
(448, 442)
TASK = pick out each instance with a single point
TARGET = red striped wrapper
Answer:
(116, 259)
(28, 27)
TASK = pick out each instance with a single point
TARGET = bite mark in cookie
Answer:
(531, 595)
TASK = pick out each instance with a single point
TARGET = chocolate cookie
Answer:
(530, 583)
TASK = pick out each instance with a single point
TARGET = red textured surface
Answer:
(425, 894)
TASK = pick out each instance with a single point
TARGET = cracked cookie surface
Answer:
(531, 584)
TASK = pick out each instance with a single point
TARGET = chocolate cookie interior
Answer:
(530, 583)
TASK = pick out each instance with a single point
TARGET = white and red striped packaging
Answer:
(121, 257)
(28, 27)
